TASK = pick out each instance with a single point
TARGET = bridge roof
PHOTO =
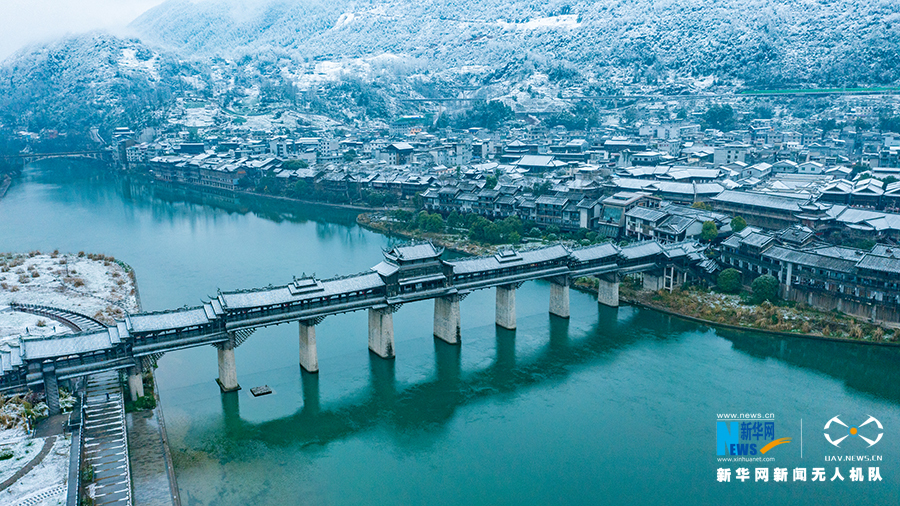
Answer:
(354, 283)
(640, 250)
(385, 269)
(414, 252)
(260, 297)
(150, 322)
(556, 252)
(489, 263)
(282, 294)
(597, 252)
(71, 344)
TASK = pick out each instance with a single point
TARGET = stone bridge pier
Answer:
(506, 301)
(506, 306)
(309, 357)
(559, 296)
(135, 382)
(446, 318)
(652, 281)
(227, 369)
(381, 330)
(608, 290)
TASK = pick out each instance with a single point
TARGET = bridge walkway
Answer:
(105, 440)
(75, 321)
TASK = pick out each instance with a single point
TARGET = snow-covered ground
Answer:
(199, 117)
(535, 93)
(129, 60)
(566, 21)
(100, 288)
(50, 475)
(23, 449)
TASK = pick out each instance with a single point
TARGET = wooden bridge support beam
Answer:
(506, 307)
(227, 369)
(608, 290)
(446, 319)
(559, 297)
(51, 389)
(135, 383)
(381, 332)
(788, 280)
(670, 278)
(309, 358)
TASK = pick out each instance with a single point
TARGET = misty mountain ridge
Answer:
(366, 57)
(762, 42)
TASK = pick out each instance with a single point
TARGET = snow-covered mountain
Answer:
(358, 60)
(79, 81)
(764, 42)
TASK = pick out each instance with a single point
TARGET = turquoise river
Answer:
(608, 407)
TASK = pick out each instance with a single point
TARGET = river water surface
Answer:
(608, 407)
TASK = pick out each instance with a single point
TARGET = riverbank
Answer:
(382, 224)
(280, 198)
(152, 472)
(459, 243)
(733, 313)
(351, 207)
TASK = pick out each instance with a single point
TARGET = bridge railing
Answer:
(303, 312)
(152, 347)
(534, 270)
(593, 270)
(14, 381)
(233, 317)
(170, 334)
(56, 314)
(481, 283)
(75, 366)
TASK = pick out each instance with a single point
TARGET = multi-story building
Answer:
(854, 281)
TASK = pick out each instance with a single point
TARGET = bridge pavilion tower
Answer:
(409, 273)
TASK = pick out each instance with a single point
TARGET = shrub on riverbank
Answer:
(148, 401)
(588, 282)
(729, 281)
(765, 288)
(509, 230)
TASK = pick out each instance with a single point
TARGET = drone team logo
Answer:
(854, 431)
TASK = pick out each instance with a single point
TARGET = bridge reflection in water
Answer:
(428, 405)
